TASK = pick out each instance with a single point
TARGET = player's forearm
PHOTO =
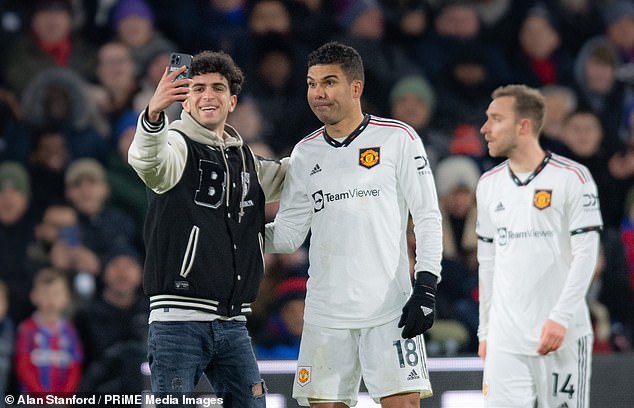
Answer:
(585, 248)
(280, 238)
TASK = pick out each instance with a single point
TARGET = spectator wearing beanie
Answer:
(133, 24)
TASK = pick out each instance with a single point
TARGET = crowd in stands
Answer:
(74, 75)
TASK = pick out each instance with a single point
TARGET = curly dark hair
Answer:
(209, 62)
(336, 53)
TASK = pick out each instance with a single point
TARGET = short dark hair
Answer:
(209, 62)
(336, 53)
(529, 103)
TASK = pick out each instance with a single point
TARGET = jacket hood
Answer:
(582, 60)
(82, 111)
(198, 133)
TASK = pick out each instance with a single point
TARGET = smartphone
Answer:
(178, 60)
(70, 235)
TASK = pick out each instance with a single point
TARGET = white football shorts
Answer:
(332, 362)
(558, 379)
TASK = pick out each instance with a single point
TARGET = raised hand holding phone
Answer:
(173, 86)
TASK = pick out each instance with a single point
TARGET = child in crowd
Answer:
(48, 354)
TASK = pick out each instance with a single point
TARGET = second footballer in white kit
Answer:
(354, 191)
(538, 226)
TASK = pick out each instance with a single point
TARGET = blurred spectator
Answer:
(413, 101)
(133, 25)
(560, 102)
(583, 135)
(58, 99)
(464, 90)
(627, 237)
(619, 29)
(127, 191)
(406, 22)
(16, 230)
(363, 27)
(58, 244)
(47, 163)
(92, 19)
(48, 354)
(279, 267)
(499, 22)
(456, 27)
(7, 339)
(540, 58)
(269, 16)
(13, 20)
(598, 88)
(312, 21)
(48, 43)
(278, 93)
(626, 131)
(117, 82)
(248, 120)
(268, 19)
(283, 331)
(206, 25)
(102, 226)
(457, 177)
(14, 134)
(113, 327)
(578, 21)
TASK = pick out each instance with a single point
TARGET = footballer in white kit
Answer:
(538, 239)
(355, 196)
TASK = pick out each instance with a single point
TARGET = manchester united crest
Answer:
(303, 375)
(369, 157)
(542, 199)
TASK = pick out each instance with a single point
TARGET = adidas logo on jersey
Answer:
(413, 375)
(315, 169)
(499, 207)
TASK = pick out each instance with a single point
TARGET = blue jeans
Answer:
(180, 352)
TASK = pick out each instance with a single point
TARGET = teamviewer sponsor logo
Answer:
(320, 197)
(504, 235)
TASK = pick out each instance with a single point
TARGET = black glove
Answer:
(420, 309)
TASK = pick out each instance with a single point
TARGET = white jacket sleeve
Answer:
(416, 183)
(157, 155)
(294, 216)
(271, 174)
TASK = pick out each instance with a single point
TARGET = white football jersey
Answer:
(354, 196)
(536, 274)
